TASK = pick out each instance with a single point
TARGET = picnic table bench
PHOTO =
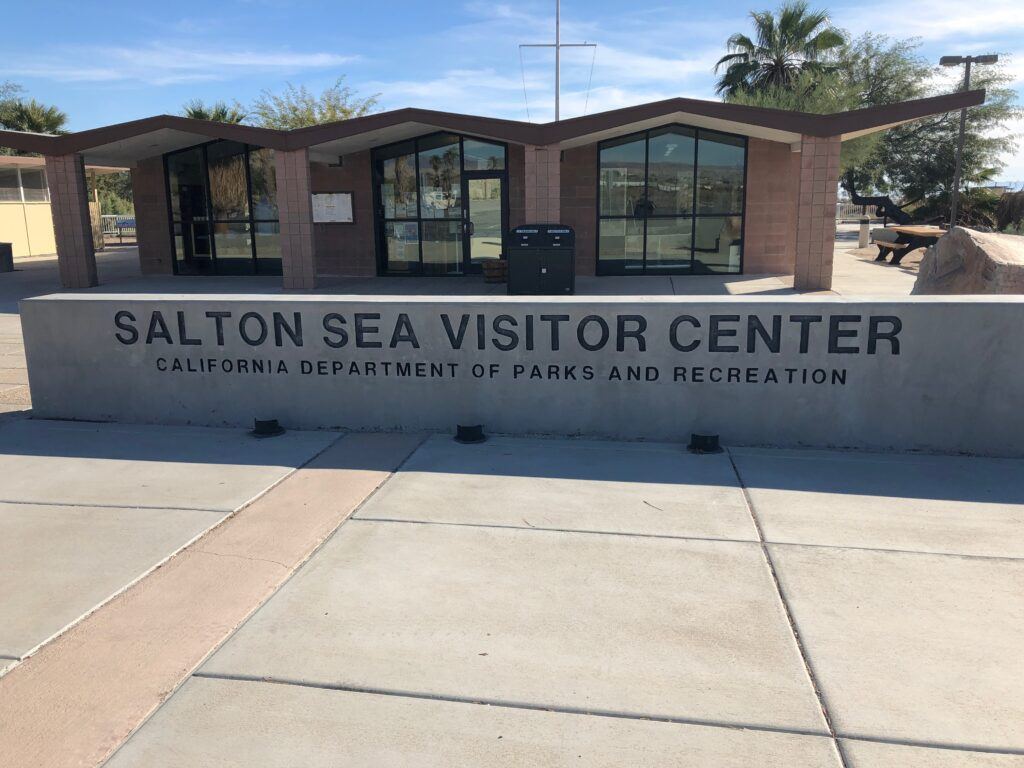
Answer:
(902, 239)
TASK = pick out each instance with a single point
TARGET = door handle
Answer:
(470, 229)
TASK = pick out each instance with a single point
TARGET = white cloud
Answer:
(933, 20)
(165, 64)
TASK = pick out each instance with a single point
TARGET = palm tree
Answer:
(218, 112)
(795, 41)
(31, 116)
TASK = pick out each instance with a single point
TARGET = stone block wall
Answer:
(542, 185)
(346, 249)
(579, 203)
(72, 228)
(816, 212)
(773, 188)
(295, 208)
(152, 217)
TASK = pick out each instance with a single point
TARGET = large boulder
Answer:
(967, 261)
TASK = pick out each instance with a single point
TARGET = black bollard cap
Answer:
(469, 433)
(704, 444)
(266, 428)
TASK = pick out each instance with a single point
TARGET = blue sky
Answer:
(114, 61)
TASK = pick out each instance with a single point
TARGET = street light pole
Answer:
(953, 61)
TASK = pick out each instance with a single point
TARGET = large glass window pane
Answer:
(9, 188)
(622, 177)
(440, 177)
(268, 247)
(482, 155)
(718, 243)
(669, 243)
(192, 247)
(263, 176)
(621, 245)
(234, 248)
(398, 183)
(402, 243)
(670, 172)
(229, 190)
(442, 247)
(33, 183)
(187, 181)
(720, 161)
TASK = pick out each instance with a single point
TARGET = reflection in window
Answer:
(720, 163)
(33, 185)
(671, 199)
(482, 155)
(440, 178)
(421, 208)
(10, 189)
(224, 210)
(398, 182)
(229, 193)
(622, 176)
(263, 177)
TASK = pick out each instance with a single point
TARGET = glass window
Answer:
(669, 243)
(621, 243)
(398, 182)
(717, 243)
(482, 155)
(263, 177)
(440, 177)
(229, 187)
(9, 187)
(402, 241)
(670, 172)
(622, 176)
(240, 184)
(442, 247)
(187, 179)
(33, 185)
(671, 200)
(720, 161)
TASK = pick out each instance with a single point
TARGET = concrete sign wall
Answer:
(933, 374)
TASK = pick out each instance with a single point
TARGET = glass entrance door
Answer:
(485, 219)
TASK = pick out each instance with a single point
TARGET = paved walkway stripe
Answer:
(78, 698)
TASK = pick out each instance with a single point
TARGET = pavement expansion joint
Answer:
(524, 705)
(950, 747)
(808, 668)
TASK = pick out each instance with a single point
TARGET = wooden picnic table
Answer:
(910, 238)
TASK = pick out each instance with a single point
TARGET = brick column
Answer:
(543, 185)
(816, 212)
(72, 228)
(152, 217)
(295, 210)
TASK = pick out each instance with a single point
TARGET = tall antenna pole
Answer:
(558, 45)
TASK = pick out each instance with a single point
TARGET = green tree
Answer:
(299, 107)
(796, 40)
(114, 191)
(218, 111)
(20, 115)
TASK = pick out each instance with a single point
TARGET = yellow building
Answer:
(25, 219)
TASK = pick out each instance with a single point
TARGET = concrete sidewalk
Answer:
(531, 602)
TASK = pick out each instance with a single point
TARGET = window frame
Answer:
(251, 220)
(695, 267)
(380, 221)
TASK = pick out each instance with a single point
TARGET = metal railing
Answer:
(847, 211)
(117, 225)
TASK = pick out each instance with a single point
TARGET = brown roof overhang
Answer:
(843, 124)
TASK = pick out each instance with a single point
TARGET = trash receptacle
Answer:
(542, 260)
(6, 257)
